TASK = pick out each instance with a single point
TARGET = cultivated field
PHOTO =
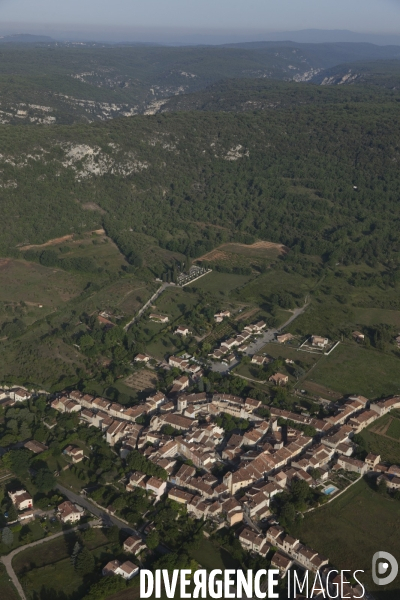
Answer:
(383, 437)
(143, 380)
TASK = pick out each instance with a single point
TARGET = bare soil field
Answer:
(142, 380)
(260, 249)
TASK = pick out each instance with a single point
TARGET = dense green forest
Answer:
(320, 176)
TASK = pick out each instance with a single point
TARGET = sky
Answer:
(378, 16)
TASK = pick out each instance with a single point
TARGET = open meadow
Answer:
(350, 530)
(352, 369)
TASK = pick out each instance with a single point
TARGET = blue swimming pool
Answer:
(330, 490)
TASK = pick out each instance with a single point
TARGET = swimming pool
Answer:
(331, 489)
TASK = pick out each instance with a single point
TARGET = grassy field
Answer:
(210, 557)
(352, 528)
(351, 369)
(47, 570)
(375, 316)
(7, 590)
(274, 282)
(394, 429)
(383, 437)
(220, 284)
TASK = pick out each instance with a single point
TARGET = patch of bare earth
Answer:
(221, 253)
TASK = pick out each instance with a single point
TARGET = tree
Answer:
(152, 540)
(45, 480)
(17, 461)
(7, 536)
(75, 552)
(85, 563)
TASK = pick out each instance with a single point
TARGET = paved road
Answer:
(95, 510)
(154, 297)
(7, 560)
(265, 338)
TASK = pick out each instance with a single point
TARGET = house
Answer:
(251, 541)
(180, 384)
(134, 544)
(127, 569)
(182, 330)
(284, 337)
(229, 344)
(105, 322)
(318, 341)
(219, 317)
(180, 363)
(21, 499)
(258, 327)
(35, 446)
(142, 358)
(69, 512)
(258, 360)
(26, 516)
(233, 511)
(371, 460)
(156, 486)
(281, 562)
(20, 395)
(384, 406)
(74, 453)
(358, 336)
(159, 318)
(352, 464)
(362, 420)
(279, 379)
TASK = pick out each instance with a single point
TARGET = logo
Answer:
(381, 562)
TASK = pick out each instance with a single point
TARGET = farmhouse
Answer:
(141, 358)
(182, 330)
(127, 569)
(358, 336)
(158, 318)
(219, 317)
(318, 341)
(284, 337)
(74, 453)
(21, 499)
(69, 512)
(279, 379)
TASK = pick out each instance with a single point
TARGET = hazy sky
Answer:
(268, 15)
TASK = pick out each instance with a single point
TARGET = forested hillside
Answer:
(54, 83)
(285, 174)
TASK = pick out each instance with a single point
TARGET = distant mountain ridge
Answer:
(25, 38)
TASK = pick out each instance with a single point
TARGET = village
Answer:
(226, 479)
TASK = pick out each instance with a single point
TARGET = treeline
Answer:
(51, 258)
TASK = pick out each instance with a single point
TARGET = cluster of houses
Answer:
(11, 396)
(261, 462)
(240, 341)
(67, 512)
